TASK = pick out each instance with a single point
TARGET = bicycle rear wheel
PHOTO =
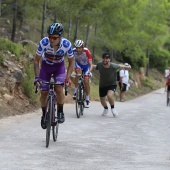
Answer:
(48, 118)
(82, 100)
(78, 101)
(55, 131)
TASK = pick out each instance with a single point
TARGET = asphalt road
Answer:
(138, 139)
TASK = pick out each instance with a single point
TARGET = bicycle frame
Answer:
(80, 95)
(51, 115)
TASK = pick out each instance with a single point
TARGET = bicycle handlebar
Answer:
(52, 83)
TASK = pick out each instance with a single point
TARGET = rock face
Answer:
(12, 99)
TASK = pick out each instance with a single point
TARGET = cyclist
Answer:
(50, 52)
(107, 82)
(167, 71)
(83, 62)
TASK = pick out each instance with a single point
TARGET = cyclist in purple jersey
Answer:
(51, 52)
(83, 62)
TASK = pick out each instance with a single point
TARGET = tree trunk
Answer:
(147, 67)
(14, 20)
(76, 30)
(94, 44)
(0, 6)
(43, 18)
(55, 17)
(87, 35)
(69, 28)
(22, 15)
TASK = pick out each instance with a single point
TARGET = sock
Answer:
(112, 106)
(43, 111)
(75, 89)
(87, 98)
(60, 107)
(106, 107)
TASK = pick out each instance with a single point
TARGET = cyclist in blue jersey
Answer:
(50, 55)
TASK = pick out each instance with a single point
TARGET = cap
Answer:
(107, 55)
(126, 64)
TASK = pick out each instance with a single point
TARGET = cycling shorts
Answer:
(103, 90)
(47, 70)
(84, 68)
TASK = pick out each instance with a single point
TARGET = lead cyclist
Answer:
(50, 55)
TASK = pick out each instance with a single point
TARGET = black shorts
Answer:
(168, 88)
(124, 87)
(103, 90)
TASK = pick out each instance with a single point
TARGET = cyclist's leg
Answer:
(85, 69)
(44, 75)
(77, 71)
(59, 77)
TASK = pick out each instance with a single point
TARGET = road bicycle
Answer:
(50, 118)
(80, 95)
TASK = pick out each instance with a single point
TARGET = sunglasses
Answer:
(53, 38)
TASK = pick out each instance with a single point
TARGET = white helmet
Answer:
(79, 43)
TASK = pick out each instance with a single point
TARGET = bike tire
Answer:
(55, 124)
(55, 131)
(49, 113)
(78, 101)
(82, 100)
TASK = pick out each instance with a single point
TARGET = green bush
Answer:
(29, 88)
(148, 83)
(7, 45)
(159, 59)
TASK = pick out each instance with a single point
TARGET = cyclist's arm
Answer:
(36, 65)
(90, 66)
(94, 66)
(70, 67)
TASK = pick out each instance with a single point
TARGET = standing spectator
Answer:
(124, 82)
(107, 82)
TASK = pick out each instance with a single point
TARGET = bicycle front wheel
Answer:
(49, 113)
(78, 101)
(55, 124)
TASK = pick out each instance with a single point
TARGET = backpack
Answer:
(118, 75)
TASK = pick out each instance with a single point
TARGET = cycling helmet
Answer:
(79, 43)
(55, 29)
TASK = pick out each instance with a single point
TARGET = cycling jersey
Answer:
(49, 55)
(168, 80)
(83, 58)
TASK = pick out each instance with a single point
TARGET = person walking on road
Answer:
(107, 82)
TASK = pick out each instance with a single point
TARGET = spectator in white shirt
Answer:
(124, 82)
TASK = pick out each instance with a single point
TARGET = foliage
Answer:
(2, 58)
(28, 85)
(8, 45)
(159, 59)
